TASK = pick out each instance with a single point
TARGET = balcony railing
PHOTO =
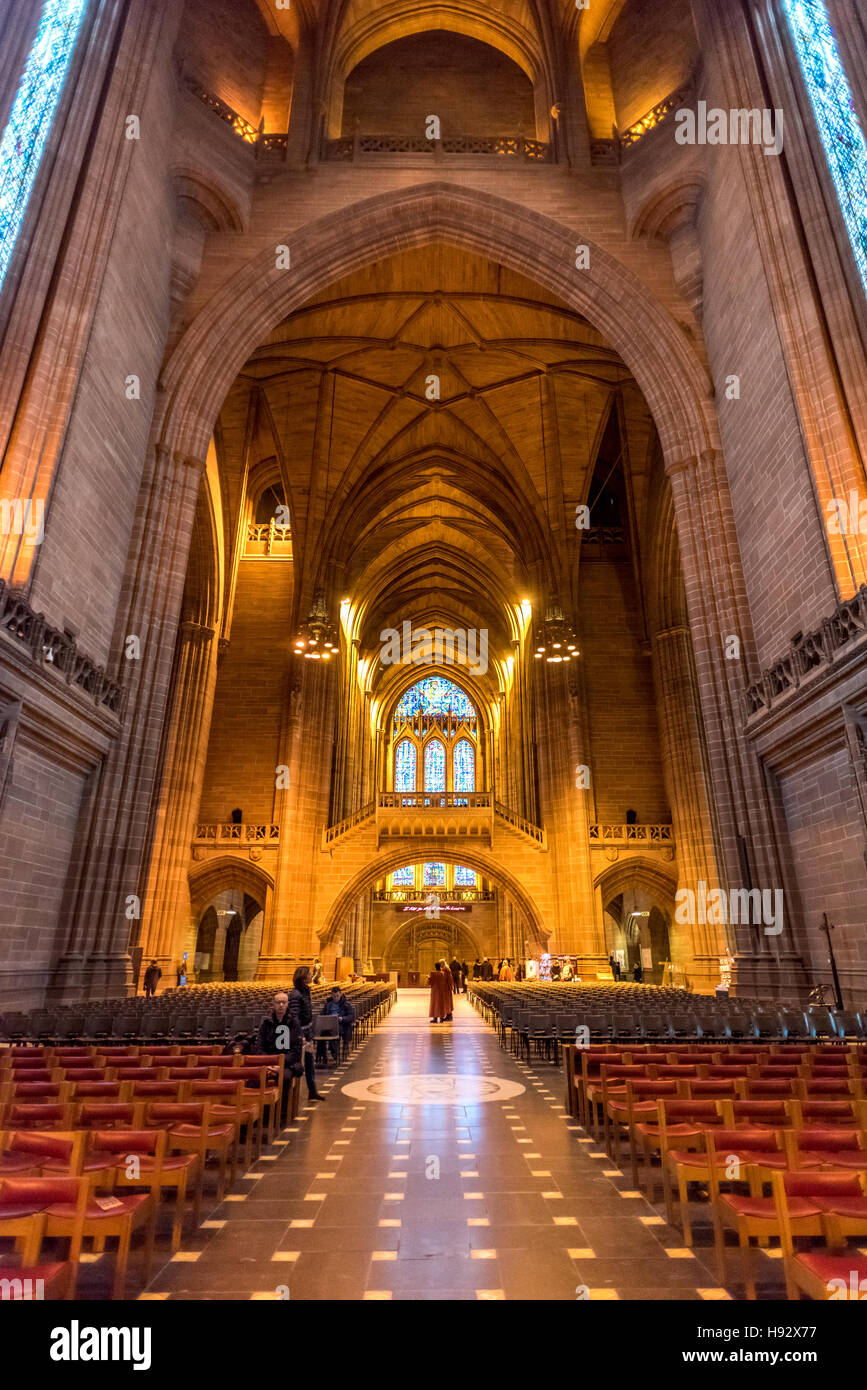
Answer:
(238, 833)
(631, 834)
(352, 147)
(272, 538)
(656, 115)
(438, 800)
(444, 895)
(809, 653)
(526, 827)
(48, 646)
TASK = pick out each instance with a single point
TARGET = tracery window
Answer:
(434, 875)
(32, 114)
(464, 878)
(834, 111)
(405, 877)
(465, 766)
(438, 721)
(435, 695)
(434, 766)
(404, 766)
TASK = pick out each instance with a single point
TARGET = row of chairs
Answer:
(803, 1117)
(182, 1014)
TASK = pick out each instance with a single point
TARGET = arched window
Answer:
(464, 878)
(32, 114)
(434, 875)
(403, 878)
(834, 110)
(404, 766)
(464, 766)
(435, 766)
(436, 696)
(271, 502)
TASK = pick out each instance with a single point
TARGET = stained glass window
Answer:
(434, 875)
(32, 113)
(435, 695)
(403, 878)
(834, 110)
(464, 878)
(465, 766)
(434, 766)
(404, 766)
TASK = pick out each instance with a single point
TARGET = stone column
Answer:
(166, 905)
(110, 862)
(695, 947)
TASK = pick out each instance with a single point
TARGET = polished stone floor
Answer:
(437, 1169)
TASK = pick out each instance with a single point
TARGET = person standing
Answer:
(301, 1013)
(455, 968)
(506, 972)
(439, 980)
(465, 975)
(638, 972)
(487, 969)
(477, 969)
(152, 977)
(317, 972)
(447, 975)
(615, 966)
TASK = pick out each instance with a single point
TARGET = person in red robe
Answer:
(440, 982)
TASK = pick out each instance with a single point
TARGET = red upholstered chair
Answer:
(725, 1155)
(811, 1197)
(53, 1153)
(40, 1116)
(819, 1273)
(834, 1147)
(229, 1103)
(191, 1130)
(106, 1218)
(638, 1105)
(155, 1169)
(109, 1114)
(24, 1207)
(680, 1125)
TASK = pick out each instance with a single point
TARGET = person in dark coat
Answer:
(278, 1033)
(638, 973)
(152, 977)
(465, 975)
(487, 969)
(455, 968)
(477, 969)
(615, 966)
(301, 1013)
(336, 1006)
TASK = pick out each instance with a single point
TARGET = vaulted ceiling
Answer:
(436, 420)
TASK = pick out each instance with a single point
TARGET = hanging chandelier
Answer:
(556, 640)
(316, 639)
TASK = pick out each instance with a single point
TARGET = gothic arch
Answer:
(253, 301)
(386, 861)
(224, 873)
(659, 882)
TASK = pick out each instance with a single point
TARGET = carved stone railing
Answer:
(433, 814)
(342, 827)
(420, 725)
(444, 895)
(48, 646)
(269, 535)
(809, 653)
(351, 147)
(523, 826)
(438, 800)
(603, 535)
(237, 833)
(656, 115)
(631, 834)
(266, 143)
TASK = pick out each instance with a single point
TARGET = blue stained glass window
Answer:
(403, 878)
(404, 766)
(435, 695)
(434, 875)
(465, 766)
(32, 113)
(834, 110)
(464, 878)
(434, 766)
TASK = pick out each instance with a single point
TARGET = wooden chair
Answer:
(817, 1273)
(155, 1169)
(24, 1207)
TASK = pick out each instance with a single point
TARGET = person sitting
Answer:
(278, 1032)
(336, 1006)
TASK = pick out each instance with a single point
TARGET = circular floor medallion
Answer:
(433, 1089)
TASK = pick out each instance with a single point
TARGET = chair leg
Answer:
(683, 1193)
(747, 1257)
(180, 1202)
(122, 1261)
(719, 1243)
(148, 1252)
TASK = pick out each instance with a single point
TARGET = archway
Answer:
(638, 904)
(241, 313)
